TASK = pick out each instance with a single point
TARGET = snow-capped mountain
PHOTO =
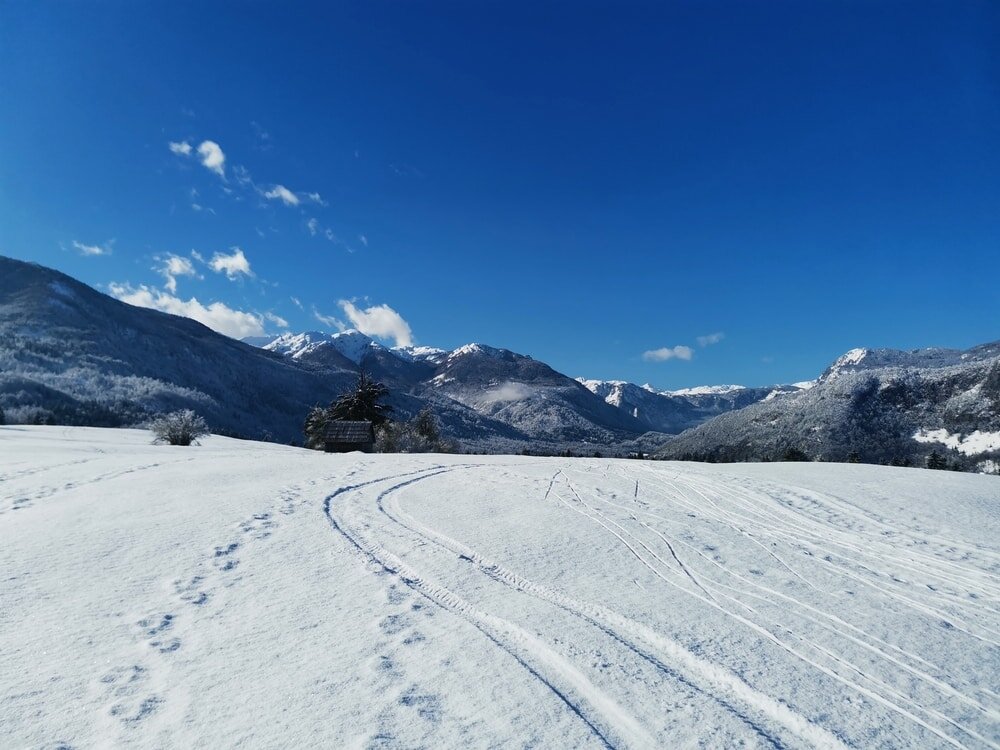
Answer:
(857, 360)
(479, 391)
(873, 405)
(675, 411)
(71, 355)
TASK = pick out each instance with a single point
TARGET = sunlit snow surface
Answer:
(244, 594)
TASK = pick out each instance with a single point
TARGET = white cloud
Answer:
(379, 320)
(276, 319)
(181, 149)
(174, 266)
(363, 239)
(280, 192)
(232, 265)
(329, 320)
(662, 355)
(328, 233)
(313, 226)
(509, 391)
(263, 137)
(295, 301)
(712, 338)
(217, 316)
(93, 250)
(242, 175)
(212, 157)
(315, 198)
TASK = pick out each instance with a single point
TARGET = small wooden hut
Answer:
(344, 437)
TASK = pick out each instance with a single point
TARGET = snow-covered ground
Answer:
(246, 594)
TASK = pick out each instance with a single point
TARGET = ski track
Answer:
(906, 684)
(773, 569)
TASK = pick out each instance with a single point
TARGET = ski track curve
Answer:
(761, 514)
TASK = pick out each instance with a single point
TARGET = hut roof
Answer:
(348, 432)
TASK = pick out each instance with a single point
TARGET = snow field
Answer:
(246, 594)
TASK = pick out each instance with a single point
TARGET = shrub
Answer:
(178, 428)
(315, 427)
(420, 435)
(795, 454)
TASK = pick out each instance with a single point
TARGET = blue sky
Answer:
(674, 193)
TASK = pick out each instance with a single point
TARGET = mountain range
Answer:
(72, 355)
(872, 405)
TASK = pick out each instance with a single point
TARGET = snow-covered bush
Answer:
(421, 435)
(178, 428)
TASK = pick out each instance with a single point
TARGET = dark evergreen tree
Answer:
(794, 454)
(936, 461)
(363, 403)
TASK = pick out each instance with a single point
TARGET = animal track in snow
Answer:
(190, 591)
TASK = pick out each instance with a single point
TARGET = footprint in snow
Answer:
(156, 624)
(393, 624)
(131, 714)
(258, 527)
(414, 638)
(190, 591)
(427, 705)
(395, 596)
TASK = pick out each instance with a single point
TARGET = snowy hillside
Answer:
(672, 412)
(71, 355)
(253, 595)
(881, 405)
(486, 397)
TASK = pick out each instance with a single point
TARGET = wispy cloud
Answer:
(329, 320)
(276, 319)
(262, 136)
(232, 265)
(216, 315)
(406, 170)
(668, 352)
(313, 226)
(212, 157)
(379, 320)
(315, 198)
(280, 192)
(173, 266)
(93, 250)
(363, 240)
(183, 148)
(712, 338)
(296, 302)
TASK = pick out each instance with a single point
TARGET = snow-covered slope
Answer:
(874, 403)
(672, 412)
(71, 355)
(352, 345)
(239, 594)
(482, 393)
